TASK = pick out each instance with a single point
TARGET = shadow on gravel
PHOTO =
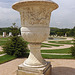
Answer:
(63, 71)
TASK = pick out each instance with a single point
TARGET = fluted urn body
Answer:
(35, 19)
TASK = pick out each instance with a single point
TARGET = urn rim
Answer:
(18, 5)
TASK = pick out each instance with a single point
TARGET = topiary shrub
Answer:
(16, 46)
(73, 49)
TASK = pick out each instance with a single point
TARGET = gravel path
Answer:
(1, 48)
(59, 67)
(53, 47)
(60, 47)
(2, 54)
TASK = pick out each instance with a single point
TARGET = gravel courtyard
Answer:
(59, 67)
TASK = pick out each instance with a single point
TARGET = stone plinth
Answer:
(35, 19)
(24, 70)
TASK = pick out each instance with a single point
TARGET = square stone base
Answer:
(24, 70)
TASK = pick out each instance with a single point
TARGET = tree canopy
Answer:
(62, 32)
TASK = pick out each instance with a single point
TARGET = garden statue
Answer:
(4, 34)
(10, 34)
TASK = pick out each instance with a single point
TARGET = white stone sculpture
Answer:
(10, 34)
(35, 19)
(65, 35)
(4, 34)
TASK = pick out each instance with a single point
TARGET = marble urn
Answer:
(35, 19)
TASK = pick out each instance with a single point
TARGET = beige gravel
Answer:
(60, 67)
(60, 47)
(1, 48)
(2, 54)
(54, 47)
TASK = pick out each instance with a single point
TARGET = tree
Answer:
(14, 25)
(16, 46)
(60, 33)
(15, 30)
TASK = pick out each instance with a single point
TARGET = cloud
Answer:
(64, 14)
(63, 17)
(6, 1)
(8, 16)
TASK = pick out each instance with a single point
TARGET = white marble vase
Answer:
(35, 19)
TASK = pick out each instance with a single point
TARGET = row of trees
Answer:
(14, 29)
(53, 31)
(62, 32)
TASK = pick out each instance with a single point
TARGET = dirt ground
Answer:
(59, 66)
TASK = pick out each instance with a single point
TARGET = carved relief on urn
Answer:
(35, 15)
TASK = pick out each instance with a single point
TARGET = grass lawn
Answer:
(51, 44)
(2, 52)
(46, 56)
(61, 42)
(6, 58)
(45, 46)
(65, 50)
(3, 40)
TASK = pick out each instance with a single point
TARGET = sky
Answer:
(63, 17)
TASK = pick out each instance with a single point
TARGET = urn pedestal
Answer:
(35, 19)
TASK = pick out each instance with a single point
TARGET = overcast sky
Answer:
(63, 17)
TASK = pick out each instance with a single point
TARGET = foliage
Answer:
(14, 29)
(7, 30)
(73, 49)
(72, 32)
(53, 31)
(60, 34)
(16, 47)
